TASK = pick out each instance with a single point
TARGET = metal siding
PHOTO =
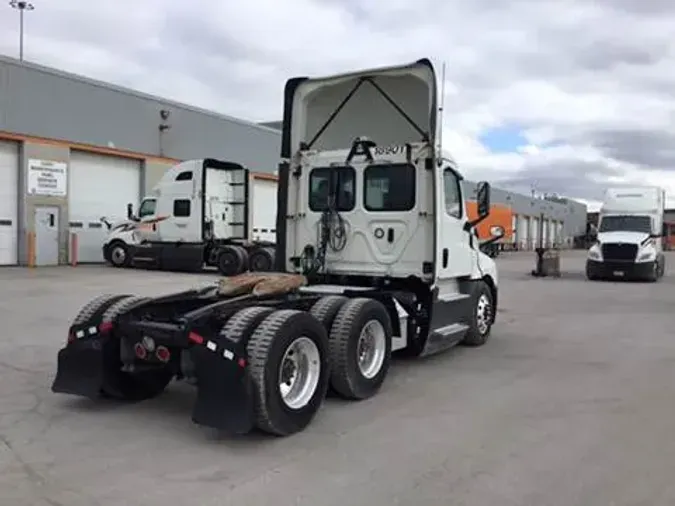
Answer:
(9, 192)
(47, 103)
(98, 186)
(571, 213)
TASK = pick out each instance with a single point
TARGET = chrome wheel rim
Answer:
(299, 372)
(371, 348)
(483, 314)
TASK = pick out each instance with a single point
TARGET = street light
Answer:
(22, 6)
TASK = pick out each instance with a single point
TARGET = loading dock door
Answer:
(9, 193)
(99, 185)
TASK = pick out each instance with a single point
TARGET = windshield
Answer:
(147, 208)
(626, 224)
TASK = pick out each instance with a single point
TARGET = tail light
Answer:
(163, 354)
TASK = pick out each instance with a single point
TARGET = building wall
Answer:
(44, 102)
(570, 212)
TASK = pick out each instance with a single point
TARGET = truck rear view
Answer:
(374, 251)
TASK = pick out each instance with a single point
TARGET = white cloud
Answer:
(591, 83)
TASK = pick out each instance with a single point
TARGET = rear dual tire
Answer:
(233, 259)
(294, 356)
(288, 362)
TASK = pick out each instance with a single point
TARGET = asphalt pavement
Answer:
(571, 403)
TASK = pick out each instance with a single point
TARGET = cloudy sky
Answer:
(569, 96)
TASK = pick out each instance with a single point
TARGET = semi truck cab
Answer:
(629, 242)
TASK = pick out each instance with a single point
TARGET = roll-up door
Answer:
(99, 186)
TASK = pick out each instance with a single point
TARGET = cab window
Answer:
(389, 187)
(453, 194)
(335, 182)
(147, 208)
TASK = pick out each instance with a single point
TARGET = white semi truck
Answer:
(201, 212)
(375, 255)
(629, 242)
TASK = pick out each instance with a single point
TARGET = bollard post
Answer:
(73, 249)
(30, 243)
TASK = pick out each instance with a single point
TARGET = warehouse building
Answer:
(73, 150)
(549, 220)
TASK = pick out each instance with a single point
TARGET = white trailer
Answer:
(202, 212)
(629, 242)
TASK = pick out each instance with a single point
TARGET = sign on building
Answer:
(46, 177)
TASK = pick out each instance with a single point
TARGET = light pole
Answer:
(22, 6)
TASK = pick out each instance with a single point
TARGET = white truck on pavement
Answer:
(629, 242)
(201, 212)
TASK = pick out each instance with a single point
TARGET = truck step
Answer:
(444, 338)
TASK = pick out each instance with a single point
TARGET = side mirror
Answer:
(130, 211)
(497, 231)
(483, 199)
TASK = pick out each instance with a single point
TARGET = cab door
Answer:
(147, 228)
(454, 255)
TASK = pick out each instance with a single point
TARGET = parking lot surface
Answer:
(571, 402)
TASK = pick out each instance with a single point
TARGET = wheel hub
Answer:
(371, 348)
(483, 314)
(118, 255)
(299, 372)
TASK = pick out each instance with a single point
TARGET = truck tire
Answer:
(121, 385)
(289, 346)
(232, 260)
(481, 317)
(261, 260)
(243, 323)
(360, 348)
(118, 253)
(326, 308)
(94, 309)
(653, 276)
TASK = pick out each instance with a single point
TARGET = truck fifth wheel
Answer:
(374, 254)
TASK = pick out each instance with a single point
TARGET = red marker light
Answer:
(241, 362)
(71, 337)
(163, 354)
(105, 327)
(195, 338)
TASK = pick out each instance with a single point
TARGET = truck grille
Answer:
(619, 252)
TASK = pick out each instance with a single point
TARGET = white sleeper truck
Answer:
(629, 243)
(375, 255)
(199, 213)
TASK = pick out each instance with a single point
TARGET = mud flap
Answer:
(80, 369)
(224, 393)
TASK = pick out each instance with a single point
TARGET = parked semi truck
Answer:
(375, 254)
(630, 231)
(500, 216)
(201, 212)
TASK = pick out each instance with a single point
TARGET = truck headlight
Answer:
(647, 255)
(594, 252)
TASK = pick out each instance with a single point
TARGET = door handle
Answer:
(445, 257)
(390, 235)
(51, 219)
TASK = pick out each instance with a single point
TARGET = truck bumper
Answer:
(619, 270)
